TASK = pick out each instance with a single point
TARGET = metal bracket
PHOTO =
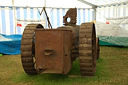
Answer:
(72, 14)
(49, 24)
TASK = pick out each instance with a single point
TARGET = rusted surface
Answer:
(54, 50)
(27, 51)
(87, 49)
(53, 54)
(49, 24)
(97, 48)
(71, 14)
(75, 39)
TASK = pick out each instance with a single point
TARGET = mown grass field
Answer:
(112, 69)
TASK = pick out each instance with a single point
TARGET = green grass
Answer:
(112, 69)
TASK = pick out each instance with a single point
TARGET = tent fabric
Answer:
(113, 41)
(113, 12)
(10, 44)
(25, 15)
(106, 2)
(111, 34)
(108, 35)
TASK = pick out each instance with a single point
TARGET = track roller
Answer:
(87, 49)
(28, 48)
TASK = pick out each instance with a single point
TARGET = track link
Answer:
(28, 49)
(87, 49)
(97, 48)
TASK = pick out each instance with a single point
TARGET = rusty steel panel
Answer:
(72, 14)
(52, 50)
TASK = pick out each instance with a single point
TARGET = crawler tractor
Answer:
(54, 50)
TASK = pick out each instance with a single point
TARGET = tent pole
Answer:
(92, 5)
(45, 16)
(94, 15)
(14, 8)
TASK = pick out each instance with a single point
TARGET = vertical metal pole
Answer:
(45, 3)
(14, 12)
(0, 23)
(45, 16)
(94, 15)
(13, 2)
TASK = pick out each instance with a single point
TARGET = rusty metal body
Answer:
(54, 50)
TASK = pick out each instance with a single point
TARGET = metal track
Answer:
(87, 49)
(28, 49)
(97, 48)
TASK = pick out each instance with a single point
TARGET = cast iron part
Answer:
(54, 50)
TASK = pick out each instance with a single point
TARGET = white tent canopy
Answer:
(48, 3)
(59, 3)
(12, 10)
(103, 2)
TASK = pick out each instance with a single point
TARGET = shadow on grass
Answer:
(54, 79)
(116, 47)
(57, 79)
